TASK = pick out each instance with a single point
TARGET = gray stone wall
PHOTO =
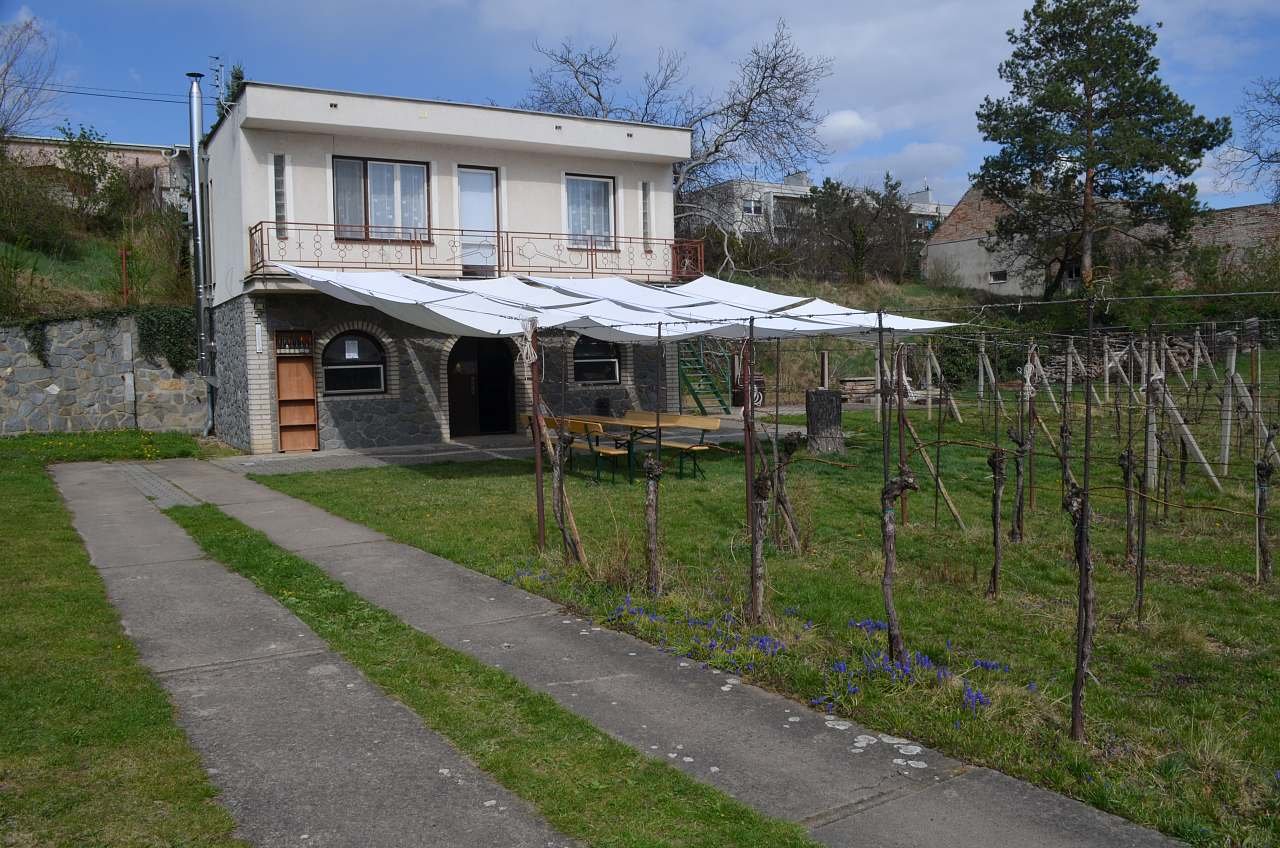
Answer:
(231, 339)
(637, 388)
(414, 409)
(95, 380)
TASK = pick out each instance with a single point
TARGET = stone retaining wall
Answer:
(95, 380)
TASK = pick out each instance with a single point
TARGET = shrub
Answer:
(33, 210)
(14, 265)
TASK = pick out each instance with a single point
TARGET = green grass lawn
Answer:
(1184, 714)
(89, 752)
(586, 784)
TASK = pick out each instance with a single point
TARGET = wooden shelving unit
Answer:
(296, 391)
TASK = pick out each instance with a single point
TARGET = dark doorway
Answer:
(482, 387)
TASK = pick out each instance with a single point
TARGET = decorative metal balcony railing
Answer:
(451, 253)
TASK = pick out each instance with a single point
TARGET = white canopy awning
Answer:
(609, 308)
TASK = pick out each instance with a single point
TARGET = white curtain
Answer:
(382, 200)
(590, 211)
(348, 196)
(413, 201)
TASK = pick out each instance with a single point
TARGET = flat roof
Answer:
(47, 139)
(439, 102)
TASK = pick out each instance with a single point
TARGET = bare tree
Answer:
(1253, 157)
(766, 120)
(28, 64)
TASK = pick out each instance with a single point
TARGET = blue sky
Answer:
(906, 79)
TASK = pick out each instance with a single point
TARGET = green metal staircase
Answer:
(705, 383)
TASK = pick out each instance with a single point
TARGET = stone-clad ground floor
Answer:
(379, 382)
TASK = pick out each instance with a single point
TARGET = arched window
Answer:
(595, 361)
(354, 363)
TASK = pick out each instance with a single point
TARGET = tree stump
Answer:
(823, 421)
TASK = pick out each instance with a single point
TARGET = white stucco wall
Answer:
(531, 194)
(968, 264)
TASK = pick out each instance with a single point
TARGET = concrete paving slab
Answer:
(210, 483)
(297, 529)
(125, 537)
(196, 613)
(959, 812)
(849, 785)
(439, 590)
(307, 752)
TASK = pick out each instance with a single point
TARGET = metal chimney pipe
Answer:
(195, 102)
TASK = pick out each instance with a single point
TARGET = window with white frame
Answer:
(589, 210)
(998, 276)
(595, 361)
(753, 206)
(380, 199)
(280, 194)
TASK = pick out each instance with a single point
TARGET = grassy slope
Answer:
(1184, 720)
(586, 784)
(89, 752)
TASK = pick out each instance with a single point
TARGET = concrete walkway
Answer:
(849, 786)
(304, 749)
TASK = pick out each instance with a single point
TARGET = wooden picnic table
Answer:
(642, 428)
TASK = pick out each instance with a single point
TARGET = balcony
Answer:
(479, 253)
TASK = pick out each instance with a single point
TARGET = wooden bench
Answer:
(591, 433)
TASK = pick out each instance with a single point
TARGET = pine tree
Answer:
(1095, 149)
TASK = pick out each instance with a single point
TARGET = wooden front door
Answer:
(481, 387)
(296, 392)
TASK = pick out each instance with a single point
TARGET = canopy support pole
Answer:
(535, 378)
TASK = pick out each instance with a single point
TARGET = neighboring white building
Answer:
(754, 207)
(349, 181)
(758, 207)
(926, 213)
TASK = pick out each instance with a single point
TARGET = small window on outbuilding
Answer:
(998, 276)
(354, 363)
(595, 361)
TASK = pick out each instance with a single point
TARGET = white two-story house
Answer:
(365, 182)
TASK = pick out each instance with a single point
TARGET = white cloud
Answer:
(845, 129)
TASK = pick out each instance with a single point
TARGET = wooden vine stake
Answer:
(760, 526)
(891, 492)
(560, 506)
(995, 460)
(652, 474)
(1262, 471)
(1077, 505)
(785, 514)
(1127, 467)
(1017, 527)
